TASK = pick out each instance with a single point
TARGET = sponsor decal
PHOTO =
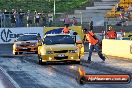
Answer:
(83, 78)
(7, 35)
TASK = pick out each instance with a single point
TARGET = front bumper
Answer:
(26, 49)
(56, 58)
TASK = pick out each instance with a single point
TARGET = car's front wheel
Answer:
(16, 53)
(36, 52)
(40, 59)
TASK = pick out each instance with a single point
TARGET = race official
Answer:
(111, 33)
(91, 38)
(66, 30)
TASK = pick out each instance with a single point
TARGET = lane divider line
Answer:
(10, 78)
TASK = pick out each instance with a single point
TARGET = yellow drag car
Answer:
(59, 48)
(25, 43)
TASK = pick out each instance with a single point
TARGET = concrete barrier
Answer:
(90, 11)
(100, 7)
(104, 3)
(118, 48)
(110, 0)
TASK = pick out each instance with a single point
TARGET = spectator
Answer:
(50, 23)
(119, 8)
(17, 19)
(1, 18)
(43, 19)
(29, 19)
(6, 18)
(21, 17)
(50, 18)
(122, 9)
(74, 21)
(121, 15)
(122, 32)
(130, 8)
(37, 18)
(13, 21)
(91, 24)
(111, 33)
(124, 19)
(127, 15)
(66, 21)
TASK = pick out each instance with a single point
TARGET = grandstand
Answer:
(113, 13)
(98, 10)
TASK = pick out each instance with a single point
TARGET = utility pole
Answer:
(54, 7)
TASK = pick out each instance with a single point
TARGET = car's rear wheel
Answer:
(82, 80)
(16, 53)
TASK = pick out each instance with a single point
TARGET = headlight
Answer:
(34, 44)
(49, 52)
(72, 51)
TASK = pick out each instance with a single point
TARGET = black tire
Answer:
(16, 53)
(78, 62)
(20, 52)
(40, 62)
(79, 56)
(82, 80)
(36, 52)
(40, 59)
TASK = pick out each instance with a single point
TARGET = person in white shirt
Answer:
(37, 18)
(130, 8)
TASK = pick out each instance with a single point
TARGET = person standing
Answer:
(91, 24)
(74, 21)
(66, 29)
(13, 20)
(111, 33)
(43, 16)
(37, 18)
(17, 19)
(50, 19)
(6, 18)
(94, 41)
(130, 8)
(29, 19)
(21, 18)
(1, 19)
(66, 21)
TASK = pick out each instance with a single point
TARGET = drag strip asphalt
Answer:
(27, 73)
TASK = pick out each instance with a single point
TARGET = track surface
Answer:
(25, 72)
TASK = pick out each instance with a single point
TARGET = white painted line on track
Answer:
(10, 79)
(1, 84)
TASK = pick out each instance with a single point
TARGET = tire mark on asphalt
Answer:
(58, 69)
(64, 70)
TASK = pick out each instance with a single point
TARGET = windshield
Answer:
(58, 39)
(27, 38)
